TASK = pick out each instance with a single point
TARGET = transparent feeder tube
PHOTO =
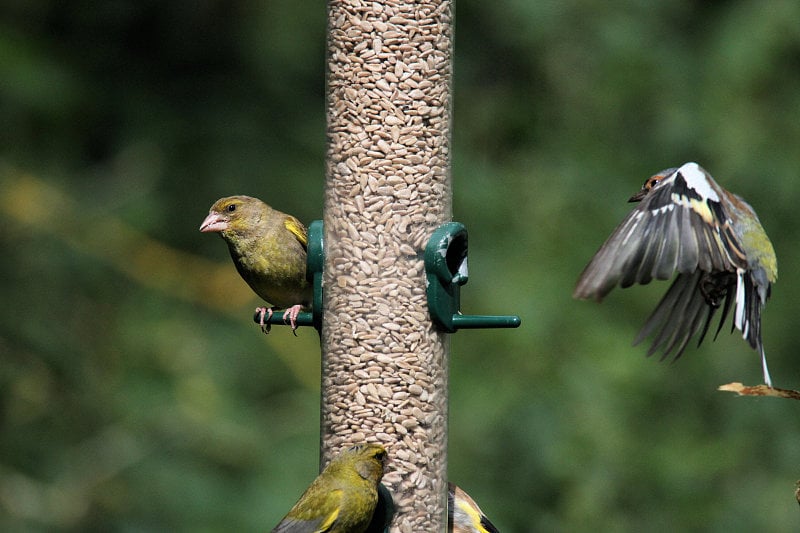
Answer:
(384, 366)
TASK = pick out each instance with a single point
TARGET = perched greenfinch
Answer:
(686, 223)
(464, 515)
(343, 497)
(269, 250)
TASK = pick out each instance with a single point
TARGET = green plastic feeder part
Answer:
(446, 271)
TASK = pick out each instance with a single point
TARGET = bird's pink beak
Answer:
(214, 222)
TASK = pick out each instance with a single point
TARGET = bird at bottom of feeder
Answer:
(342, 499)
(269, 250)
(464, 515)
(686, 223)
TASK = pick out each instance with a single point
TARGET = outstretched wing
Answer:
(689, 305)
(680, 225)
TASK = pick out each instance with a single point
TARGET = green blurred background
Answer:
(136, 394)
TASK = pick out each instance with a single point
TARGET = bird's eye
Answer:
(231, 208)
(652, 182)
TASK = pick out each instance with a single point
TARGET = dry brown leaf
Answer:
(760, 390)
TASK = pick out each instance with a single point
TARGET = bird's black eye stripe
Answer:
(231, 208)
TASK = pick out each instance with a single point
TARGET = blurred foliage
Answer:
(136, 394)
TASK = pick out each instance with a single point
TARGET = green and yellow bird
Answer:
(464, 515)
(268, 248)
(686, 223)
(343, 497)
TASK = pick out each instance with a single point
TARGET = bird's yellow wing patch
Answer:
(329, 520)
(297, 229)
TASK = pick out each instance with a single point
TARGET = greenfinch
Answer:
(343, 497)
(269, 250)
(687, 223)
(464, 515)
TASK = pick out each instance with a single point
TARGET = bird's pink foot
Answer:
(291, 313)
(262, 313)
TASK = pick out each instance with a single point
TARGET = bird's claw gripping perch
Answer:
(291, 313)
(265, 312)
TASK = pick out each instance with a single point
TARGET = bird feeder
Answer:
(387, 191)
(384, 362)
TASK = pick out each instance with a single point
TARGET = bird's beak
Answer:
(638, 196)
(214, 222)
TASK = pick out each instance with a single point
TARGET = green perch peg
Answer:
(446, 271)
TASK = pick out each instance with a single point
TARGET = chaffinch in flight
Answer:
(687, 223)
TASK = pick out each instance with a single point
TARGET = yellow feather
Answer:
(328, 522)
(297, 229)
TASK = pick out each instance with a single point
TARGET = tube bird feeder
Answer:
(384, 361)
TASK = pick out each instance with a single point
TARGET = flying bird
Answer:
(269, 250)
(686, 223)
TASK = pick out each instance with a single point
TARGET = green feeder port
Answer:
(446, 270)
